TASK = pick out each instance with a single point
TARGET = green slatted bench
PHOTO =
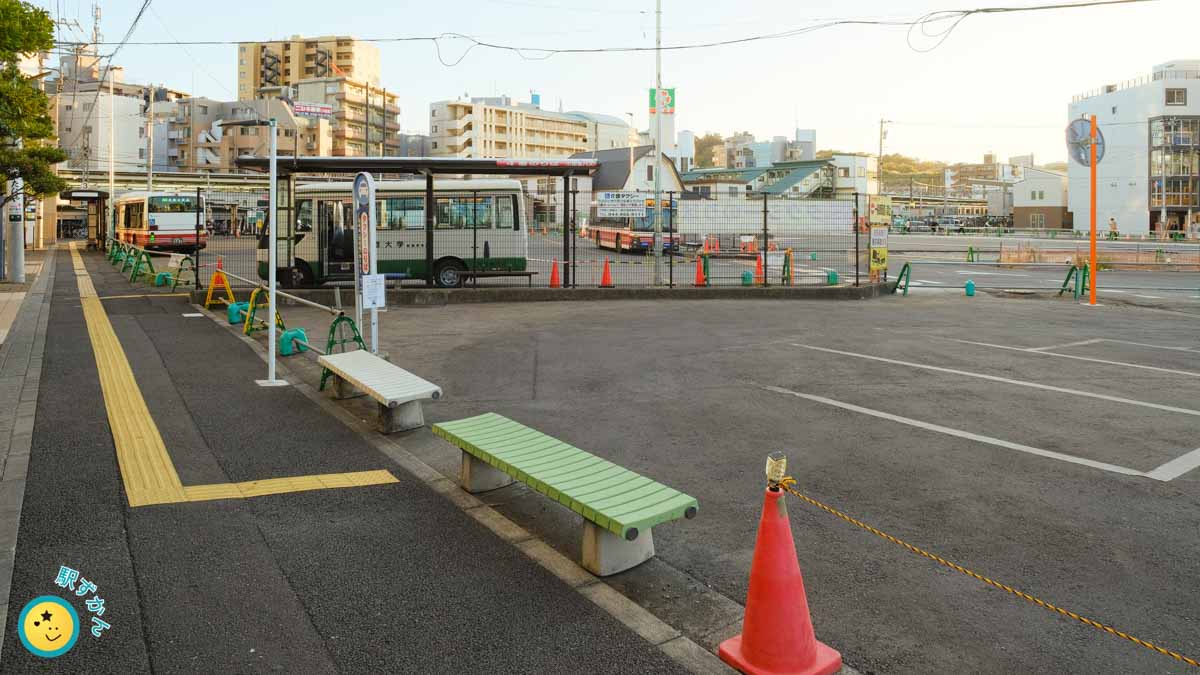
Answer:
(618, 506)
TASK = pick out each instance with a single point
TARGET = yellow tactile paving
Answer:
(146, 467)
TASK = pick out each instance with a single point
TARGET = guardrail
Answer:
(905, 277)
(137, 261)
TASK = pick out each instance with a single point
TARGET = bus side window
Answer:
(506, 213)
(304, 216)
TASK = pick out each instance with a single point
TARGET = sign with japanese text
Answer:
(620, 204)
(317, 110)
(879, 249)
(364, 222)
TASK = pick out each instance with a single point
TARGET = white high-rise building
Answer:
(1149, 177)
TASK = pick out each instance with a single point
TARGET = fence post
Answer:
(566, 280)
(672, 232)
(574, 242)
(196, 246)
(475, 233)
(855, 225)
(765, 245)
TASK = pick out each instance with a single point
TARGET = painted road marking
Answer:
(1143, 344)
(1109, 290)
(1177, 467)
(1188, 373)
(193, 315)
(991, 274)
(146, 468)
(145, 295)
(1020, 383)
(928, 281)
(1103, 466)
(1148, 297)
(1068, 344)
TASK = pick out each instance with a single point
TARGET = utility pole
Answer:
(658, 113)
(150, 141)
(882, 135)
(112, 151)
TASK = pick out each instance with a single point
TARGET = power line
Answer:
(949, 19)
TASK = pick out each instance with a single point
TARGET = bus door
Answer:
(337, 237)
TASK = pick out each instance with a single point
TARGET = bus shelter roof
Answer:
(435, 165)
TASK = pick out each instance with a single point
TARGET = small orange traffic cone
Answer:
(700, 281)
(777, 634)
(706, 244)
(554, 280)
(716, 247)
(606, 276)
(758, 270)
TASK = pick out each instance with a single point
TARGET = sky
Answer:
(998, 83)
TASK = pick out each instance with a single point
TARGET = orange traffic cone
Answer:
(606, 276)
(716, 247)
(700, 281)
(777, 633)
(554, 280)
(706, 244)
(758, 270)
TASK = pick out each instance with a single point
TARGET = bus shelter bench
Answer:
(475, 276)
(398, 392)
(619, 507)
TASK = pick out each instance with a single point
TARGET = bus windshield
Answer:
(172, 204)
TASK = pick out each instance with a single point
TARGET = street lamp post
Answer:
(272, 253)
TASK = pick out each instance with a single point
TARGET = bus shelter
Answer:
(95, 214)
(315, 169)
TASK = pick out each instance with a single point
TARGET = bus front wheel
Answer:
(302, 275)
(448, 273)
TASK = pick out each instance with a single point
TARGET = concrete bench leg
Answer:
(476, 475)
(343, 389)
(401, 418)
(605, 553)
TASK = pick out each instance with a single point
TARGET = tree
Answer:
(25, 123)
(704, 149)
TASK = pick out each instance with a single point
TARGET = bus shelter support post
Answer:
(196, 254)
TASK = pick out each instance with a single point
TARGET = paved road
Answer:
(384, 577)
(1032, 472)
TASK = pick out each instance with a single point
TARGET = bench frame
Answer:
(604, 553)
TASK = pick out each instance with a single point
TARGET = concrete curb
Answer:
(460, 296)
(637, 619)
(20, 377)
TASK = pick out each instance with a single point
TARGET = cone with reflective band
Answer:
(777, 633)
(554, 280)
(606, 276)
(758, 269)
(700, 272)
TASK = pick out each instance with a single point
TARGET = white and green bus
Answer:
(478, 227)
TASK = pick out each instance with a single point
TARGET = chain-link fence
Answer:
(503, 232)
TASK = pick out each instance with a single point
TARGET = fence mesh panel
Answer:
(491, 232)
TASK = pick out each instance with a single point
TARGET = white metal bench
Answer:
(398, 391)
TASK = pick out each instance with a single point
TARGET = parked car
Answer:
(918, 225)
(949, 224)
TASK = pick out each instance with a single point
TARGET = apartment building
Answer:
(1149, 178)
(498, 127)
(366, 118)
(197, 142)
(84, 134)
(281, 63)
(743, 151)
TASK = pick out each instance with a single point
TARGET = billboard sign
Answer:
(620, 204)
(318, 110)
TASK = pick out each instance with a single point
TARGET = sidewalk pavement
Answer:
(238, 572)
(13, 294)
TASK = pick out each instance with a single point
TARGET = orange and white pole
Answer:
(1092, 266)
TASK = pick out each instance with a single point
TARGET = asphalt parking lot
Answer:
(1044, 444)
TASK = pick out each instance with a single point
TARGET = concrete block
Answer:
(343, 389)
(403, 417)
(605, 553)
(479, 476)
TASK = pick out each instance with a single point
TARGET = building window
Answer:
(434, 129)
(141, 132)
(843, 172)
(733, 191)
(203, 110)
(141, 153)
(1037, 220)
(649, 172)
(862, 172)
(435, 145)
(432, 113)
(1177, 97)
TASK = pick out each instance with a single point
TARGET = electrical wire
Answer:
(936, 25)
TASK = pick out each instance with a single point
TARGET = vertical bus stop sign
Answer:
(364, 223)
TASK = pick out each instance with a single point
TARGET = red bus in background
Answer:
(160, 221)
(638, 236)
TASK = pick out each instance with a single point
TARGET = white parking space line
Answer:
(928, 281)
(1188, 373)
(1068, 344)
(1020, 383)
(1109, 290)
(1103, 466)
(1144, 344)
(991, 274)
(1148, 297)
(1177, 467)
